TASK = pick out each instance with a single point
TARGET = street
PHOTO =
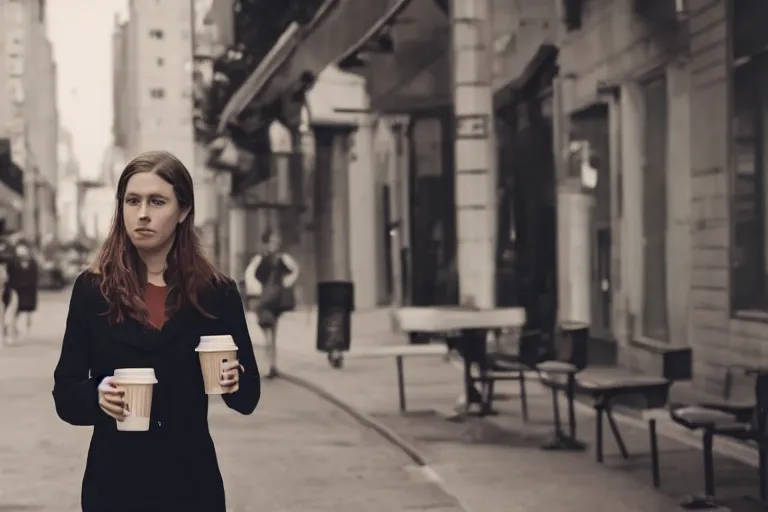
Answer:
(295, 453)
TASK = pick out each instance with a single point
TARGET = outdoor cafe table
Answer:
(446, 320)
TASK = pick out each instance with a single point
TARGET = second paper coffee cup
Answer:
(214, 351)
(137, 385)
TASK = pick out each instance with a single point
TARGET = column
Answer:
(364, 222)
(237, 226)
(475, 151)
(223, 187)
(574, 271)
(332, 202)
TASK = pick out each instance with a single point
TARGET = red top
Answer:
(155, 299)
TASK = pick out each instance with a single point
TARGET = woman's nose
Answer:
(143, 211)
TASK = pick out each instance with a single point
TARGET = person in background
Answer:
(269, 281)
(20, 292)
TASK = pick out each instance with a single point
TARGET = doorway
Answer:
(592, 125)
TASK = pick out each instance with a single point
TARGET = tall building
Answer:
(156, 72)
(120, 90)
(67, 198)
(28, 119)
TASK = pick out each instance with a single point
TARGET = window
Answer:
(157, 93)
(156, 34)
(749, 127)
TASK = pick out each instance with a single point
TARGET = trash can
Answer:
(335, 303)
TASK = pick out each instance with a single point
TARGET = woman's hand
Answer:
(230, 376)
(111, 399)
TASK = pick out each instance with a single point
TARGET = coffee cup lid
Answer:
(135, 376)
(217, 343)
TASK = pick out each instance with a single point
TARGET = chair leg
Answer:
(599, 434)
(556, 413)
(400, 382)
(489, 388)
(763, 469)
(707, 501)
(709, 463)
(570, 392)
(654, 453)
(523, 397)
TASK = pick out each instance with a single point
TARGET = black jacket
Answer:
(173, 466)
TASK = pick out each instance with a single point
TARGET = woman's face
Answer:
(151, 211)
(22, 251)
(273, 245)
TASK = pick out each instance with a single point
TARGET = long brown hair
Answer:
(122, 275)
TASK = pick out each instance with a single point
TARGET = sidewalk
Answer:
(296, 453)
(495, 464)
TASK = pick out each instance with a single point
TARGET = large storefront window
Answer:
(749, 128)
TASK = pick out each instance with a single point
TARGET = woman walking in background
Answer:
(20, 292)
(269, 281)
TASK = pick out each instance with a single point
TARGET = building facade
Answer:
(153, 102)
(28, 119)
(67, 197)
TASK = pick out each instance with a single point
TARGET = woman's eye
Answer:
(158, 202)
(132, 201)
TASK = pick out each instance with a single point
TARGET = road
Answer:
(296, 453)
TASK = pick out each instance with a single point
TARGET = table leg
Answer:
(400, 382)
(561, 440)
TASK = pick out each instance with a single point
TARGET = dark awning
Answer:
(544, 58)
(340, 27)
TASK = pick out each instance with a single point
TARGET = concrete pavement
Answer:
(495, 464)
(296, 453)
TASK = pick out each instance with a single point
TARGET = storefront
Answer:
(527, 252)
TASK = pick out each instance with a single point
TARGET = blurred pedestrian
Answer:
(145, 303)
(20, 291)
(269, 281)
(5, 260)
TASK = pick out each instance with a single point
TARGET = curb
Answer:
(364, 419)
(384, 431)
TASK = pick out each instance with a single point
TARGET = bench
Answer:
(399, 352)
(606, 388)
(567, 372)
(741, 414)
(609, 390)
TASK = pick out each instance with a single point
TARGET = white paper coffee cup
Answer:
(214, 351)
(137, 384)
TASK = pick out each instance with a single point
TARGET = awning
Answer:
(545, 58)
(340, 27)
(255, 83)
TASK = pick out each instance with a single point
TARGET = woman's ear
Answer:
(184, 214)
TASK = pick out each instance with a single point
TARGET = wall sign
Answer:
(472, 126)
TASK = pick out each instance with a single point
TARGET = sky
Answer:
(81, 34)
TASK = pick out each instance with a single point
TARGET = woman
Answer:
(20, 292)
(269, 279)
(148, 298)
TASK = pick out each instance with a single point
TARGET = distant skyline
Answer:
(81, 34)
